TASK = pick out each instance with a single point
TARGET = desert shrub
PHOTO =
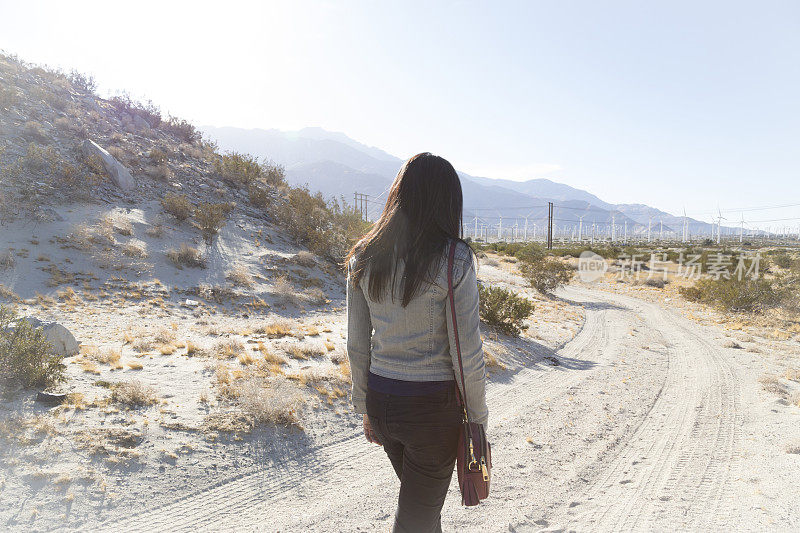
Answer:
(326, 228)
(177, 205)
(8, 97)
(133, 394)
(304, 258)
(211, 218)
(34, 131)
(238, 169)
(658, 283)
(546, 275)
(259, 196)
(7, 260)
(240, 276)
(503, 309)
(272, 174)
(158, 156)
(783, 260)
(159, 172)
(732, 294)
(181, 129)
(82, 82)
(25, 353)
(187, 256)
(123, 104)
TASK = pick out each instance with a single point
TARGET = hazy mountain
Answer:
(338, 166)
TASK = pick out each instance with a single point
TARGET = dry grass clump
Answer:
(316, 296)
(187, 256)
(772, 384)
(165, 336)
(133, 394)
(194, 350)
(228, 348)
(7, 260)
(240, 276)
(109, 356)
(135, 248)
(277, 403)
(297, 351)
(8, 294)
(270, 356)
(275, 329)
(284, 290)
(491, 360)
(177, 205)
(142, 345)
(304, 258)
(155, 231)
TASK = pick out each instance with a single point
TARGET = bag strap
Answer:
(450, 259)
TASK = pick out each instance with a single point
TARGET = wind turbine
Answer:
(580, 227)
(720, 218)
(741, 230)
(685, 225)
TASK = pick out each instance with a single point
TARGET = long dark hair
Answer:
(422, 213)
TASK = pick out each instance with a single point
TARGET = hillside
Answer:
(203, 290)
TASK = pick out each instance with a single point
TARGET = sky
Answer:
(674, 104)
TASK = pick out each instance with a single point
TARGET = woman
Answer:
(400, 341)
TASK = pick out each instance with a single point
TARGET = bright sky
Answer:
(673, 104)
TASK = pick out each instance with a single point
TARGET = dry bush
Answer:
(34, 131)
(165, 336)
(133, 394)
(328, 228)
(304, 258)
(195, 350)
(284, 290)
(772, 384)
(158, 156)
(155, 231)
(142, 345)
(186, 256)
(279, 402)
(7, 260)
(177, 205)
(159, 172)
(8, 97)
(316, 296)
(135, 248)
(297, 351)
(270, 356)
(228, 348)
(211, 218)
(658, 283)
(123, 104)
(240, 276)
(181, 130)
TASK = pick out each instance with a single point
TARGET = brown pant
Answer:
(420, 435)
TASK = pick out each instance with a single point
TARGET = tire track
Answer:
(674, 470)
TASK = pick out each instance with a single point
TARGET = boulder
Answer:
(63, 342)
(120, 175)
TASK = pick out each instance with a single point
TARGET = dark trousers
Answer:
(420, 436)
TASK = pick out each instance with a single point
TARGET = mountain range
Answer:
(338, 167)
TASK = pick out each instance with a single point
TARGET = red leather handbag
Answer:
(474, 455)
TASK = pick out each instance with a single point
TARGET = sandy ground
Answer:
(644, 420)
(621, 407)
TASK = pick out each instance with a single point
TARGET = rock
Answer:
(63, 342)
(120, 175)
(141, 123)
(50, 398)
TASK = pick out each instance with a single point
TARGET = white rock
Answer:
(63, 342)
(120, 175)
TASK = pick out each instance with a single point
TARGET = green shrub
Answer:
(82, 82)
(238, 169)
(177, 205)
(546, 275)
(211, 217)
(503, 309)
(25, 353)
(734, 295)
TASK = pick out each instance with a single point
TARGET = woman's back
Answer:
(413, 343)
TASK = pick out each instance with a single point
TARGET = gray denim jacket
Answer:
(417, 342)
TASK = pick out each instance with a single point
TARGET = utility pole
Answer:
(549, 225)
(360, 204)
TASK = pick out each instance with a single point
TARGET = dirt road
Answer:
(632, 425)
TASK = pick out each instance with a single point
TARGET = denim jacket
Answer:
(417, 342)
